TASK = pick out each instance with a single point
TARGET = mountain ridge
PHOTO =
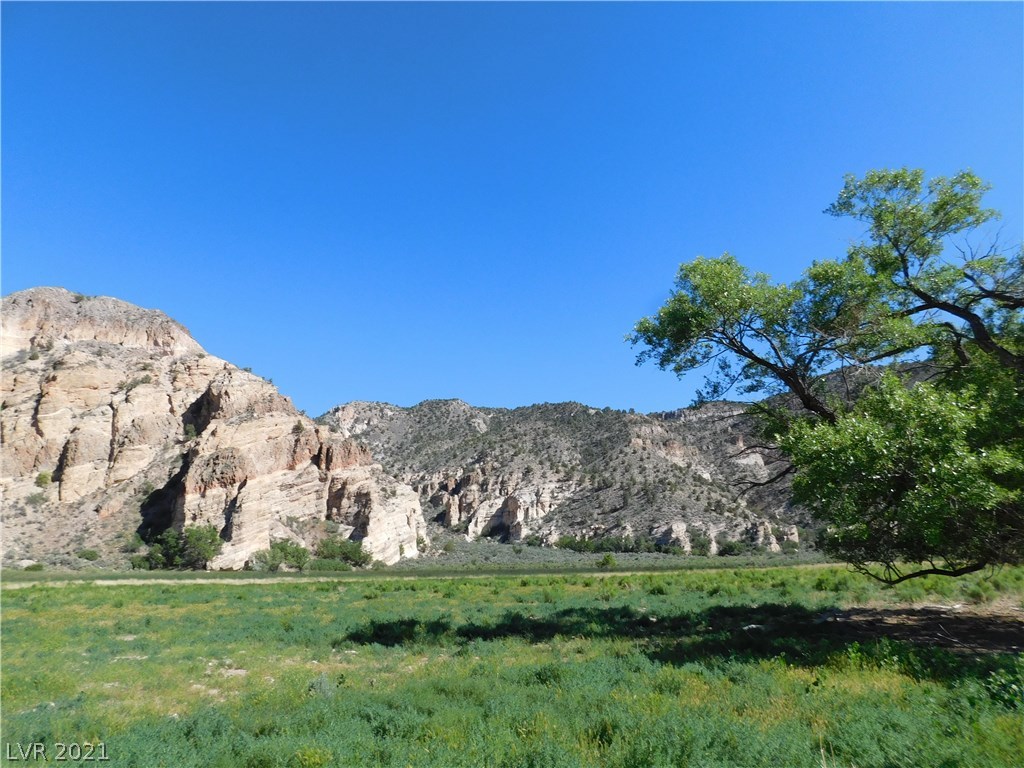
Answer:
(116, 420)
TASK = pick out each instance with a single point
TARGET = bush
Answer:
(337, 548)
(34, 567)
(36, 499)
(266, 561)
(615, 544)
(88, 554)
(608, 561)
(190, 432)
(281, 553)
(131, 542)
(139, 562)
(700, 545)
(43, 479)
(193, 549)
(729, 548)
(201, 544)
(128, 386)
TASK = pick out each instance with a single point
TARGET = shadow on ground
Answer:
(931, 642)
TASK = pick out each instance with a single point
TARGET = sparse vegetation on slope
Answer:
(555, 470)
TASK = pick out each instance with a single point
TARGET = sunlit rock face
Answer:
(545, 471)
(114, 418)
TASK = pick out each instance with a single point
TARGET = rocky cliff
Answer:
(546, 471)
(114, 420)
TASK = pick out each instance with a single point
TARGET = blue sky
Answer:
(398, 202)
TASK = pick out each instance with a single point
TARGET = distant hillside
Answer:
(115, 421)
(546, 471)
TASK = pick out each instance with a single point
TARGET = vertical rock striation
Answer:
(135, 427)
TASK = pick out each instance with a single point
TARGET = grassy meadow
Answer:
(728, 667)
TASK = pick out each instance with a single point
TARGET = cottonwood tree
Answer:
(903, 370)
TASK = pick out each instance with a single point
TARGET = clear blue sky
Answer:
(407, 201)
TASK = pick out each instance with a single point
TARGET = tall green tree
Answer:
(924, 465)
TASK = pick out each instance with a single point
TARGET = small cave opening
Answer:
(157, 509)
(197, 417)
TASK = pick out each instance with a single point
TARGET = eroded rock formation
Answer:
(545, 471)
(114, 418)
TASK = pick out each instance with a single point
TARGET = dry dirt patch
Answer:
(969, 629)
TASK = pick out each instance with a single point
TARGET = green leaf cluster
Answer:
(288, 553)
(346, 550)
(922, 464)
(190, 549)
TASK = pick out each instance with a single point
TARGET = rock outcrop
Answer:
(114, 419)
(546, 471)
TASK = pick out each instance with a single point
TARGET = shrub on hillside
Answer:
(281, 553)
(730, 548)
(188, 550)
(627, 544)
(700, 545)
(337, 548)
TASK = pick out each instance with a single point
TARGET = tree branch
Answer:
(752, 484)
(889, 568)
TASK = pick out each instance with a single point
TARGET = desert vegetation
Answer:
(730, 667)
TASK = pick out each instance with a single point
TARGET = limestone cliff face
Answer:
(550, 470)
(135, 425)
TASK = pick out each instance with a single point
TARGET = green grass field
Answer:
(694, 668)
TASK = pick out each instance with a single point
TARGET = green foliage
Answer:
(901, 476)
(88, 554)
(699, 668)
(320, 564)
(337, 548)
(43, 479)
(34, 567)
(901, 471)
(700, 545)
(310, 757)
(131, 542)
(615, 544)
(607, 562)
(188, 550)
(1006, 686)
(36, 499)
(287, 553)
(139, 562)
(299, 428)
(190, 432)
(730, 548)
